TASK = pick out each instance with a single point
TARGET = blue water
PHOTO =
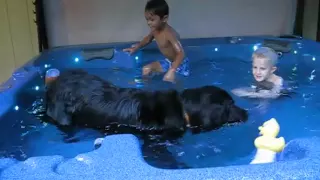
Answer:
(298, 116)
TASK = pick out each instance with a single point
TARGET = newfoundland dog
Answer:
(77, 98)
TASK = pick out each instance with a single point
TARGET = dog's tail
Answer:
(236, 114)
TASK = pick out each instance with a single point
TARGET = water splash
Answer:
(312, 75)
(37, 108)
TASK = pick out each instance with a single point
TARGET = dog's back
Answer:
(78, 98)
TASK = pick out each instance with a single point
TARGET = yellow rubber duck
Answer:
(268, 145)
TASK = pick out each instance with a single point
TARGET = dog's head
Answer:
(55, 106)
(65, 94)
(210, 108)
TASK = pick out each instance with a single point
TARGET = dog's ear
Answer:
(57, 113)
(235, 113)
(176, 121)
(228, 112)
(213, 117)
(207, 117)
(172, 94)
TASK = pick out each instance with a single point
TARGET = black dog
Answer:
(78, 98)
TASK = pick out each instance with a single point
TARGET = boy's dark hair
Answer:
(157, 7)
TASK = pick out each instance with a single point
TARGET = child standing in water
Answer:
(267, 84)
(167, 39)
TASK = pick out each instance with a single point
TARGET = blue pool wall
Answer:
(120, 156)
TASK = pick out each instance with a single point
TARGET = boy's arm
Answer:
(267, 94)
(145, 41)
(275, 92)
(243, 92)
(179, 51)
(249, 92)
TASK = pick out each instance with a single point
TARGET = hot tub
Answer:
(32, 149)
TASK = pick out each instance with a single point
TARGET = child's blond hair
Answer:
(267, 53)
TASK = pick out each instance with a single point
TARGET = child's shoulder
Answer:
(278, 81)
(171, 31)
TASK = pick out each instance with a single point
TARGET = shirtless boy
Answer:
(267, 84)
(167, 39)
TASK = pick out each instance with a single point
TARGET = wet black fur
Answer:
(77, 98)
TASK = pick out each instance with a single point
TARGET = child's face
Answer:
(262, 69)
(154, 21)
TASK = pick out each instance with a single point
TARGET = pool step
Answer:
(97, 53)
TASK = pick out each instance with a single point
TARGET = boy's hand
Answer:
(170, 75)
(131, 50)
(241, 92)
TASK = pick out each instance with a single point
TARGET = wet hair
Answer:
(157, 7)
(268, 53)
